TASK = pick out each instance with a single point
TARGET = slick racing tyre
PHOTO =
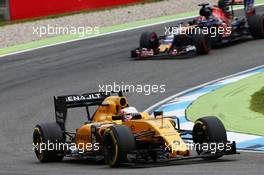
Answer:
(118, 141)
(208, 130)
(47, 139)
(256, 26)
(149, 40)
(202, 43)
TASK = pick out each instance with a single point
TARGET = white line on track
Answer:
(251, 151)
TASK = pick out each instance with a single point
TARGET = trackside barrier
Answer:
(4, 9)
(23, 9)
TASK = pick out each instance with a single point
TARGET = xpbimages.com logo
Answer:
(192, 30)
(80, 147)
(145, 89)
(49, 30)
(207, 147)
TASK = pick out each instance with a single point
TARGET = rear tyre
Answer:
(202, 43)
(118, 141)
(256, 26)
(45, 139)
(209, 130)
(149, 40)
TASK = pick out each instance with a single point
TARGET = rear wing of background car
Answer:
(237, 2)
(62, 103)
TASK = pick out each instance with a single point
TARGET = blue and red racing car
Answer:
(215, 25)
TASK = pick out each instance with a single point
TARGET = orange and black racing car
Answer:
(119, 134)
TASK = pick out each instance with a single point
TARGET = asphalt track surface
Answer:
(29, 80)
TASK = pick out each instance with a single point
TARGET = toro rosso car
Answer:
(119, 134)
(215, 26)
(224, 27)
(176, 41)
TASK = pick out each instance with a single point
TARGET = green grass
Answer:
(3, 22)
(231, 104)
(257, 101)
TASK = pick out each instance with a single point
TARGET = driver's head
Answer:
(128, 113)
(206, 12)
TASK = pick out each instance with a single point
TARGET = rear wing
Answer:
(62, 103)
(238, 2)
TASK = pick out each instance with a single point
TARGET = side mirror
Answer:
(158, 113)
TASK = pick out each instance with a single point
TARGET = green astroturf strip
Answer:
(232, 105)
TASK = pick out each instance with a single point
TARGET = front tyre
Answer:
(149, 40)
(48, 140)
(202, 43)
(210, 131)
(118, 141)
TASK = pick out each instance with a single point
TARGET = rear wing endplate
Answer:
(62, 103)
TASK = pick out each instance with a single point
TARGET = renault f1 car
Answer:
(215, 26)
(140, 139)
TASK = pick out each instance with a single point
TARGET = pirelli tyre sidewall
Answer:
(149, 40)
(209, 130)
(48, 134)
(256, 26)
(118, 141)
(202, 43)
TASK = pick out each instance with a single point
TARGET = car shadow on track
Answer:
(83, 161)
(233, 43)
(157, 58)
(101, 164)
(177, 163)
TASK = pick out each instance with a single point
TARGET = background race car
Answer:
(225, 27)
(179, 40)
(216, 25)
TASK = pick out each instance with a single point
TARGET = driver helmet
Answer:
(206, 12)
(128, 113)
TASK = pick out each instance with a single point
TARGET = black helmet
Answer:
(206, 11)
